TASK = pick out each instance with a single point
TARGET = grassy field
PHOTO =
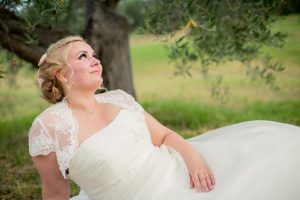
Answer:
(183, 104)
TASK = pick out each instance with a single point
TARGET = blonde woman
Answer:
(113, 149)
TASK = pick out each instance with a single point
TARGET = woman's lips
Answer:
(95, 72)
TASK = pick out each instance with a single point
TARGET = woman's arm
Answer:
(201, 176)
(54, 186)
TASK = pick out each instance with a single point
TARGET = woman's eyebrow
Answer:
(85, 52)
(81, 52)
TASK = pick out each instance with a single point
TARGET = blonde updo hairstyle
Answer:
(54, 60)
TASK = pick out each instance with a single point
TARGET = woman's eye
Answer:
(95, 56)
(82, 55)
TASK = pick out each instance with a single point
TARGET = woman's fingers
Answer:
(192, 185)
(208, 181)
(212, 177)
(201, 178)
(202, 181)
(196, 181)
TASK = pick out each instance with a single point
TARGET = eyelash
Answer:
(86, 56)
(82, 56)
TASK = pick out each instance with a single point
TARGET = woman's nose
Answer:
(95, 61)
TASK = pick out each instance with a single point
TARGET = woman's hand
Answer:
(201, 176)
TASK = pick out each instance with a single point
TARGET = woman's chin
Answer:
(99, 84)
(92, 85)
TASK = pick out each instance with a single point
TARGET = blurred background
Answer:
(193, 65)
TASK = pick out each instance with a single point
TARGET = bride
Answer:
(113, 149)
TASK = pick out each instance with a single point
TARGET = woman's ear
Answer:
(61, 76)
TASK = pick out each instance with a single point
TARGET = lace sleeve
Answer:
(132, 101)
(40, 143)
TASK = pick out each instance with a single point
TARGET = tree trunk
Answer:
(107, 32)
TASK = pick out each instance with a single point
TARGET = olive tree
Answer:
(218, 31)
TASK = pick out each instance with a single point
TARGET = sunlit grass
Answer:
(155, 80)
(190, 118)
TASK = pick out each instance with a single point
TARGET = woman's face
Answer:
(86, 70)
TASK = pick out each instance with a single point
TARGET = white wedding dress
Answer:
(255, 160)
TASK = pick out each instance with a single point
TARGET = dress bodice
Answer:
(114, 157)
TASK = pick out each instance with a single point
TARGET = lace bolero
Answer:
(55, 129)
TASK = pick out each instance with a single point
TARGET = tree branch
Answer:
(12, 37)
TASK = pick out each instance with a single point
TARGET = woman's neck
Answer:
(85, 102)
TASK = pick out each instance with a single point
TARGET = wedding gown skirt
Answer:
(255, 160)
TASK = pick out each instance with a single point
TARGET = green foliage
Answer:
(63, 14)
(10, 65)
(134, 11)
(2, 72)
(213, 32)
(39, 12)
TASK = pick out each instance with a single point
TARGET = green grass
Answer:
(190, 119)
(183, 104)
(289, 54)
(153, 54)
